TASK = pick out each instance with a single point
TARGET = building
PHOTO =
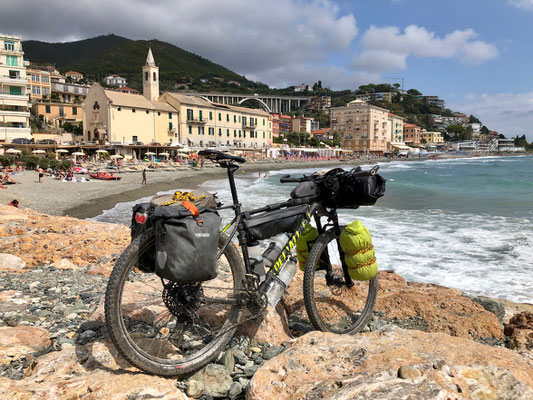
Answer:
(56, 77)
(363, 128)
(321, 133)
(115, 117)
(206, 124)
(125, 89)
(396, 128)
(275, 125)
(380, 96)
(285, 124)
(303, 124)
(476, 128)
(56, 114)
(303, 87)
(74, 75)
(411, 134)
(431, 138)
(68, 92)
(319, 103)
(115, 80)
(14, 105)
(435, 100)
(39, 83)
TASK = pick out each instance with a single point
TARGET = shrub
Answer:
(44, 163)
(6, 160)
(30, 162)
(55, 164)
(66, 164)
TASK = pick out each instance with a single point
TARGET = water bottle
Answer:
(274, 249)
(256, 259)
(278, 286)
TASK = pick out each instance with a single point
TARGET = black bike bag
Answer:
(271, 223)
(186, 246)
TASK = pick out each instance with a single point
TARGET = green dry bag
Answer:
(359, 252)
(304, 244)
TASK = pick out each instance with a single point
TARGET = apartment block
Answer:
(56, 114)
(275, 125)
(431, 138)
(364, 128)
(202, 123)
(285, 124)
(319, 103)
(435, 100)
(380, 96)
(74, 75)
(396, 128)
(14, 105)
(411, 134)
(68, 92)
(115, 80)
(303, 124)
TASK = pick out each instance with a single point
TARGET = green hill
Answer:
(103, 55)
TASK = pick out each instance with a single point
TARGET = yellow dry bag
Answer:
(359, 252)
(304, 244)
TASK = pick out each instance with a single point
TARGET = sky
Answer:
(474, 54)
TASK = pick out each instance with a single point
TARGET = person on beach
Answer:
(14, 203)
(201, 162)
(41, 174)
(144, 177)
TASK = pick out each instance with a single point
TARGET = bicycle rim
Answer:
(331, 306)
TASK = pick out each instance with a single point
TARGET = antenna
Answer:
(401, 79)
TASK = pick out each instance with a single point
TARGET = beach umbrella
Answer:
(149, 153)
(13, 151)
(38, 152)
(61, 151)
(164, 154)
(101, 151)
(116, 156)
(78, 153)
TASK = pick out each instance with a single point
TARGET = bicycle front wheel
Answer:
(165, 328)
(331, 305)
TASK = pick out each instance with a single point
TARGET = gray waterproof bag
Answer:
(186, 246)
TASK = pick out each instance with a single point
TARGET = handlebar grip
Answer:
(288, 179)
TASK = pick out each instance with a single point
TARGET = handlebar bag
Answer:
(186, 245)
(272, 223)
(359, 252)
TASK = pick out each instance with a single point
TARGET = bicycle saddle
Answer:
(217, 156)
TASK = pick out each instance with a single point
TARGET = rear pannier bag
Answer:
(271, 223)
(304, 243)
(186, 247)
(359, 252)
(344, 189)
(137, 227)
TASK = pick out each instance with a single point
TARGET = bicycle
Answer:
(169, 329)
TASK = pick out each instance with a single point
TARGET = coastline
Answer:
(89, 199)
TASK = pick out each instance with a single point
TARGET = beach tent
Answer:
(13, 151)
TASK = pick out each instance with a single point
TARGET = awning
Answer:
(101, 130)
(400, 146)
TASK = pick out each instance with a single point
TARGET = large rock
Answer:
(393, 364)
(9, 262)
(19, 341)
(39, 239)
(520, 331)
(429, 307)
(271, 328)
(91, 372)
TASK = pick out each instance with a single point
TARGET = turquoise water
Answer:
(464, 223)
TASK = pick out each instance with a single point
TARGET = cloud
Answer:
(252, 37)
(387, 48)
(523, 4)
(508, 113)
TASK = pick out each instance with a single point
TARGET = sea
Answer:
(465, 223)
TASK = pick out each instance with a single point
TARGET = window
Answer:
(227, 132)
(134, 139)
(190, 114)
(244, 120)
(212, 131)
(155, 77)
(235, 133)
(12, 61)
(35, 78)
(74, 110)
(199, 130)
(227, 117)
(243, 134)
(10, 46)
(263, 122)
(118, 108)
(190, 129)
(47, 109)
(147, 112)
(133, 110)
(61, 111)
(239, 118)
(146, 76)
(234, 118)
(36, 90)
(220, 116)
(210, 115)
(158, 113)
(170, 115)
(239, 133)
(219, 131)
(46, 91)
(170, 126)
(263, 135)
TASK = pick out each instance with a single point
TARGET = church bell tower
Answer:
(150, 78)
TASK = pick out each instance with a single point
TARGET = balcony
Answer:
(12, 113)
(196, 121)
(13, 80)
(248, 126)
(7, 97)
(12, 132)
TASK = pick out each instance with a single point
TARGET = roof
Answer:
(188, 99)
(136, 101)
(410, 126)
(318, 131)
(73, 73)
(126, 88)
(150, 58)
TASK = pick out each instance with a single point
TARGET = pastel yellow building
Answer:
(206, 124)
(364, 128)
(431, 137)
(39, 84)
(56, 114)
(14, 105)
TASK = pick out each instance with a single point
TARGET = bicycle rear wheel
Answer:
(166, 328)
(332, 306)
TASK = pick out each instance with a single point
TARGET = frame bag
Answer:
(271, 223)
(186, 243)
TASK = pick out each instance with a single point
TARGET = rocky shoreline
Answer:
(424, 341)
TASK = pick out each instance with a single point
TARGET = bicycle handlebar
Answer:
(356, 172)
(218, 156)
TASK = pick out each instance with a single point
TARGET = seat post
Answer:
(231, 170)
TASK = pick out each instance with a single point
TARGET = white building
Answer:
(302, 88)
(476, 128)
(14, 101)
(115, 80)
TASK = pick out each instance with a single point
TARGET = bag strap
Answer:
(194, 211)
(183, 196)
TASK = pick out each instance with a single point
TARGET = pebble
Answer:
(85, 337)
(272, 352)
(250, 371)
(90, 325)
(255, 349)
(72, 316)
(234, 390)
(408, 372)
(194, 388)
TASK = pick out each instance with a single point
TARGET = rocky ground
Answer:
(423, 342)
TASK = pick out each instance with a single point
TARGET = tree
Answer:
(484, 130)
(414, 92)
(396, 85)
(472, 119)
(68, 127)
(458, 132)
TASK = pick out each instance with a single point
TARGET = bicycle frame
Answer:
(312, 211)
